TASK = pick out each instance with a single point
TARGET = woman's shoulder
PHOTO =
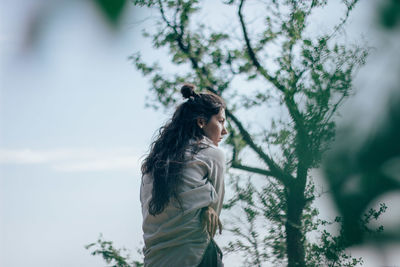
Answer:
(211, 151)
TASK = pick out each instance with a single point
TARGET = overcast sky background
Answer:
(73, 128)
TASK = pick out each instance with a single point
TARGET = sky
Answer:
(73, 130)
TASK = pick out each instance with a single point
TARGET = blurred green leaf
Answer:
(358, 177)
(111, 9)
(390, 13)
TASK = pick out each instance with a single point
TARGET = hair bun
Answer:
(187, 90)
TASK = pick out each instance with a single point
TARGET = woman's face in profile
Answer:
(215, 128)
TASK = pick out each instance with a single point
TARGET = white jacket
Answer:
(176, 237)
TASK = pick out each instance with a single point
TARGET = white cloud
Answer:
(21, 156)
(74, 160)
(120, 163)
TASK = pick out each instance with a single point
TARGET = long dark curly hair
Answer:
(166, 159)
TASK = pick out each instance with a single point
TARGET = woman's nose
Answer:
(224, 131)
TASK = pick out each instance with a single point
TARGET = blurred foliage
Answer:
(112, 9)
(113, 256)
(361, 174)
(390, 13)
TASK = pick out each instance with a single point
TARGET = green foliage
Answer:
(249, 240)
(331, 251)
(147, 3)
(265, 242)
(113, 256)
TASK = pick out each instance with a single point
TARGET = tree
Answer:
(305, 76)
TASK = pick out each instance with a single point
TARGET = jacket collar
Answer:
(208, 141)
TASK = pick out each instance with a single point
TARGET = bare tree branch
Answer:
(252, 54)
(239, 166)
(275, 170)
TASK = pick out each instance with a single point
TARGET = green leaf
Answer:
(307, 42)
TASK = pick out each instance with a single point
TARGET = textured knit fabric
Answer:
(177, 237)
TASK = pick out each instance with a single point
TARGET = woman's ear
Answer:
(201, 122)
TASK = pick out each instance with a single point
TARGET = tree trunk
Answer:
(294, 234)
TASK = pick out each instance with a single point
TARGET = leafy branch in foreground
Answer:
(113, 256)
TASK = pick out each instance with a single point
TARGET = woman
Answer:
(183, 185)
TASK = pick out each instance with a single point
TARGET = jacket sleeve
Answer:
(210, 166)
(216, 176)
(215, 159)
